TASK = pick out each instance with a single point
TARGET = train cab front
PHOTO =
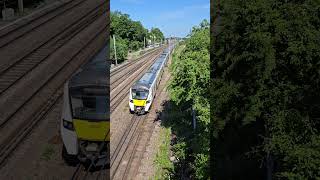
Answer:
(86, 134)
(138, 101)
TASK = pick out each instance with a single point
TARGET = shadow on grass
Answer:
(234, 152)
(178, 119)
(232, 159)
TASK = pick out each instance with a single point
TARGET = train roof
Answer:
(92, 74)
(156, 65)
(146, 80)
(163, 55)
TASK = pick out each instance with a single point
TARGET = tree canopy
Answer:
(157, 33)
(129, 34)
(267, 76)
(189, 88)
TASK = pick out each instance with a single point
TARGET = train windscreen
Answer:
(139, 94)
(89, 103)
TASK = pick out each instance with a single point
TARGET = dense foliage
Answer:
(267, 76)
(189, 88)
(122, 48)
(156, 32)
(129, 34)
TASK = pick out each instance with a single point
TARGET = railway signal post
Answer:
(20, 4)
(115, 49)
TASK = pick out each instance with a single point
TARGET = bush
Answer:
(121, 48)
(135, 45)
(189, 87)
(267, 74)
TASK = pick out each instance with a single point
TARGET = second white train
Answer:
(143, 92)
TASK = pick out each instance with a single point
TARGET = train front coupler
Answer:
(95, 153)
(139, 110)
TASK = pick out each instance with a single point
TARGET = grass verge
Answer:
(162, 160)
(47, 153)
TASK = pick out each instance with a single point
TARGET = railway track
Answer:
(16, 71)
(134, 149)
(125, 148)
(12, 32)
(126, 71)
(129, 151)
(121, 67)
(40, 31)
(133, 131)
(36, 104)
(84, 173)
(33, 104)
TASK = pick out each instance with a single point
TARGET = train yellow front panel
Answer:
(94, 131)
(139, 102)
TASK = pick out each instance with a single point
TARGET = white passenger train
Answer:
(85, 122)
(143, 92)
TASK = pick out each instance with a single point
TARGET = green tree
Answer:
(131, 31)
(157, 33)
(121, 48)
(267, 75)
(189, 87)
(125, 28)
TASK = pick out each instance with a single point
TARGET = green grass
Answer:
(47, 153)
(162, 162)
(135, 54)
(177, 51)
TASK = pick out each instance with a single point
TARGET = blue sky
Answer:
(173, 17)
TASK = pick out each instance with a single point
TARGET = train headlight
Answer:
(68, 125)
(131, 100)
(148, 101)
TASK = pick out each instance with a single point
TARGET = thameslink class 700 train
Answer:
(143, 91)
(85, 122)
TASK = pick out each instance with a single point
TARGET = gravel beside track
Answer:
(131, 136)
(88, 173)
